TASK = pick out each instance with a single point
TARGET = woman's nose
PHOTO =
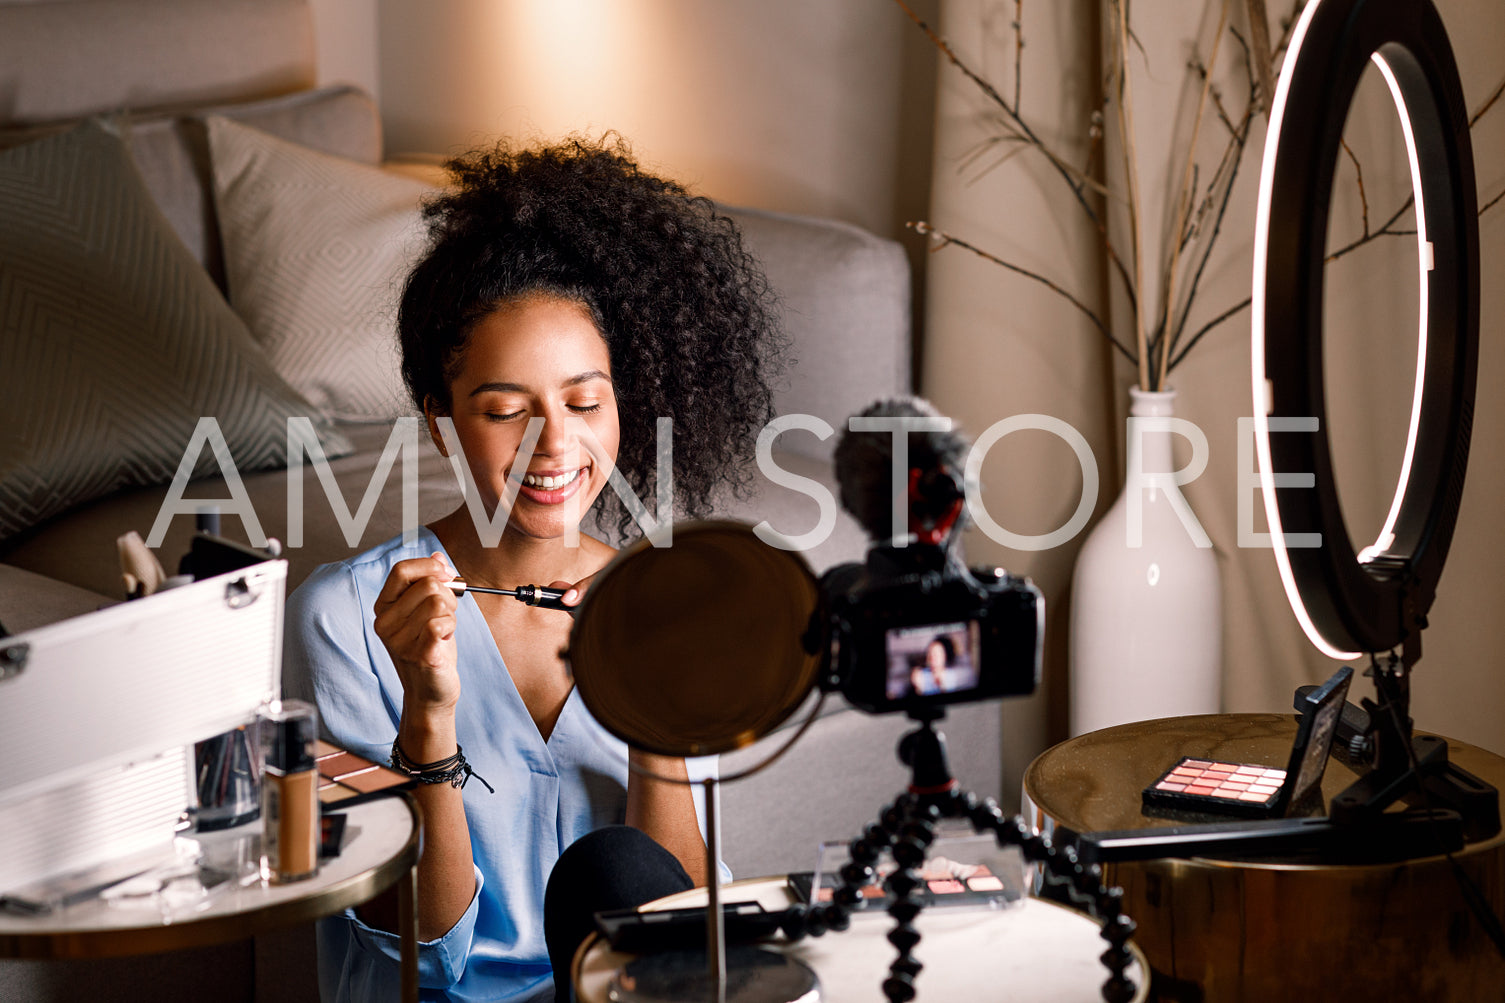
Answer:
(559, 435)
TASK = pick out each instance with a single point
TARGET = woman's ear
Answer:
(432, 412)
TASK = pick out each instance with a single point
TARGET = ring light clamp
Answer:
(1377, 598)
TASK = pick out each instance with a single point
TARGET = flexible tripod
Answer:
(907, 826)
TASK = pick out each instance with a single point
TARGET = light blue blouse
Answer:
(548, 794)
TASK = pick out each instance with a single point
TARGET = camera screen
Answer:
(931, 659)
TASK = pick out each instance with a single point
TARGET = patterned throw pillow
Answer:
(316, 251)
(113, 340)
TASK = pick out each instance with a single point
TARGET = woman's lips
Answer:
(553, 496)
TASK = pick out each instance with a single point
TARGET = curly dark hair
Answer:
(687, 314)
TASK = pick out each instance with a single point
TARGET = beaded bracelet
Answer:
(453, 770)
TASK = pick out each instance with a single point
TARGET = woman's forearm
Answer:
(446, 875)
(665, 810)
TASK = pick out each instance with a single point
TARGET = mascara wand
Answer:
(532, 595)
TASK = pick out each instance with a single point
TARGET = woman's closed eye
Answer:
(581, 409)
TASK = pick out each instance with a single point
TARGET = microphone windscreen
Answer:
(864, 463)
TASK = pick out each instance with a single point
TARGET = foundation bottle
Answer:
(290, 793)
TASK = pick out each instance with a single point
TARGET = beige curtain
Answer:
(997, 344)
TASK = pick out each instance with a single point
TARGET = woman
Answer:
(562, 284)
(930, 676)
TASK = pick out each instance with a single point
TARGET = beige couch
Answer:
(172, 63)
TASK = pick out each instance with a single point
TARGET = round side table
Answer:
(1034, 950)
(381, 849)
(1219, 930)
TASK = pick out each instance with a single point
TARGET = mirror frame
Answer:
(601, 665)
(1371, 600)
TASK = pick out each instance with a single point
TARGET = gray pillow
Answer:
(113, 340)
(316, 251)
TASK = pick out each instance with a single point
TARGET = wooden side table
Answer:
(1218, 930)
(1035, 950)
(381, 849)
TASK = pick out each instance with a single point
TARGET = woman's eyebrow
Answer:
(518, 388)
(586, 377)
(499, 388)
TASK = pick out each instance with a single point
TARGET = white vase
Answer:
(1146, 602)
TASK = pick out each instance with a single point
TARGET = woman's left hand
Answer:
(574, 592)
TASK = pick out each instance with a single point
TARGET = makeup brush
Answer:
(533, 595)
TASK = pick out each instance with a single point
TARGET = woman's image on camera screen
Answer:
(930, 660)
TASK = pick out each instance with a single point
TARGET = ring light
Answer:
(1373, 600)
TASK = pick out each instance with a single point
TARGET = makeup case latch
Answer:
(13, 659)
(239, 594)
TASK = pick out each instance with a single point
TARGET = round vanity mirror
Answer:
(701, 646)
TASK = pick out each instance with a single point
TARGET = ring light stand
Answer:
(1374, 600)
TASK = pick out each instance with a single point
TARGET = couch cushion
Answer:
(113, 342)
(316, 251)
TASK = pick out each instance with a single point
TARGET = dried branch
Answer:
(941, 239)
(1249, 60)
(1388, 229)
(1358, 172)
(1263, 61)
(1488, 104)
(1187, 185)
(1125, 89)
(1287, 26)
(1383, 231)
(1234, 156)
(1018, 55)
(1202, 331)
(1191, 219)
(1076, 182)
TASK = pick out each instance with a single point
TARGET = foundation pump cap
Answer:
(294, 726)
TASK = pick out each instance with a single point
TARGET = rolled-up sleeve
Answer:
(361, 962)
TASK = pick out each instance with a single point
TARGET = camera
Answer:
(912, 628)
(917, 637)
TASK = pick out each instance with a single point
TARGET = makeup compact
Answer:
(346, 779)
(1253, 790)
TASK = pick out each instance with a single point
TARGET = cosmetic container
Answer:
(290, 792)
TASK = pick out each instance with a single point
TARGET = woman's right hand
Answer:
(415, 619)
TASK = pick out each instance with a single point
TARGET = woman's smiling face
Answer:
(537, 357)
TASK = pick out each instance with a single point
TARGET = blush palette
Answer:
(1236, 785)
(1251, 789)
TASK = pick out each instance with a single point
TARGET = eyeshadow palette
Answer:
(1254, 790)
(346, 779)
(950, 884)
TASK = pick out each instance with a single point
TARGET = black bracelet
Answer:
(453, 770)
